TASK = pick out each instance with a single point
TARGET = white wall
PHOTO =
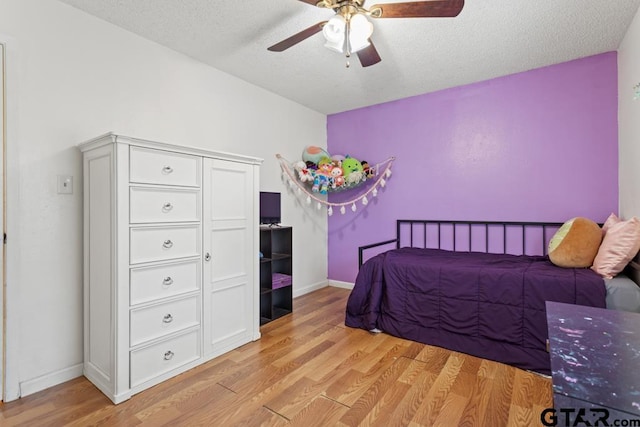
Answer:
(80, 77)
(629, 120)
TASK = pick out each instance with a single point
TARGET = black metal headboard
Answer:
(517, 238)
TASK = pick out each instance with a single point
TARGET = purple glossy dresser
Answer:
(595, 363)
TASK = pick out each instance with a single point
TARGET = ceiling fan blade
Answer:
(311, 2)
(418, 9)
(297, 38)
(369, 55)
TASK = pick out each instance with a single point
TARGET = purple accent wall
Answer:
(541, 145)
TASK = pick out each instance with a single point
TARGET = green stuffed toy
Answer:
(353, 171)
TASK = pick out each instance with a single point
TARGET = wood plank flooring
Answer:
(308, 369)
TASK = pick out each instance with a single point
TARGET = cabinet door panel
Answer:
(229, 306)
(227, 265)
(230, 227)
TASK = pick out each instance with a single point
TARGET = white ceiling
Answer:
(489, 38)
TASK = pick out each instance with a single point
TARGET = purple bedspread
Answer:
(487, 305)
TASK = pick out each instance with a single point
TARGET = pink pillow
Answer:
(613, 219)
(620, 244)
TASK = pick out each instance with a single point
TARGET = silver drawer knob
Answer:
(167, 170)
(207, 256)
(167, 207)
(167, 281)
(168, 355)
(167, 244)
(167, 318)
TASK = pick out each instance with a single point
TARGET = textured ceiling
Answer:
(489, 38)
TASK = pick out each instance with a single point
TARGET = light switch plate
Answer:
(65, 184)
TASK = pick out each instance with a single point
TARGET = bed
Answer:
(475, 287)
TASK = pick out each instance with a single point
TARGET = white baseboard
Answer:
(339, 284)
(49, 380)
(310, 288)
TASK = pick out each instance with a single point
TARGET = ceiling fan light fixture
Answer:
(335, 46)
(360, 29)
(358, 44)
(334, 32)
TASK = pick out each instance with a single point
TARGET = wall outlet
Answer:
(65, 184)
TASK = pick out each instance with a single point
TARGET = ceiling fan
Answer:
(349, 31)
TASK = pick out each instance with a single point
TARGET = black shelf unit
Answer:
(276, 299)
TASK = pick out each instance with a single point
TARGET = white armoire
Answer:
(171, 262)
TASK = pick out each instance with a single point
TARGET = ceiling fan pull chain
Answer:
(346, 40)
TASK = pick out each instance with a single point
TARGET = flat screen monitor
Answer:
(269, 208)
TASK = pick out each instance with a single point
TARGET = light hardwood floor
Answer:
(308, 369)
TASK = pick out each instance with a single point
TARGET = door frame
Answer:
(11, 345)
(2, 213)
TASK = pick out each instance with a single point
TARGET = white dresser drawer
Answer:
(162, 281)
(165, 356)
(163, 167)
(148, 205)
(163, 243)
(156, 321)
